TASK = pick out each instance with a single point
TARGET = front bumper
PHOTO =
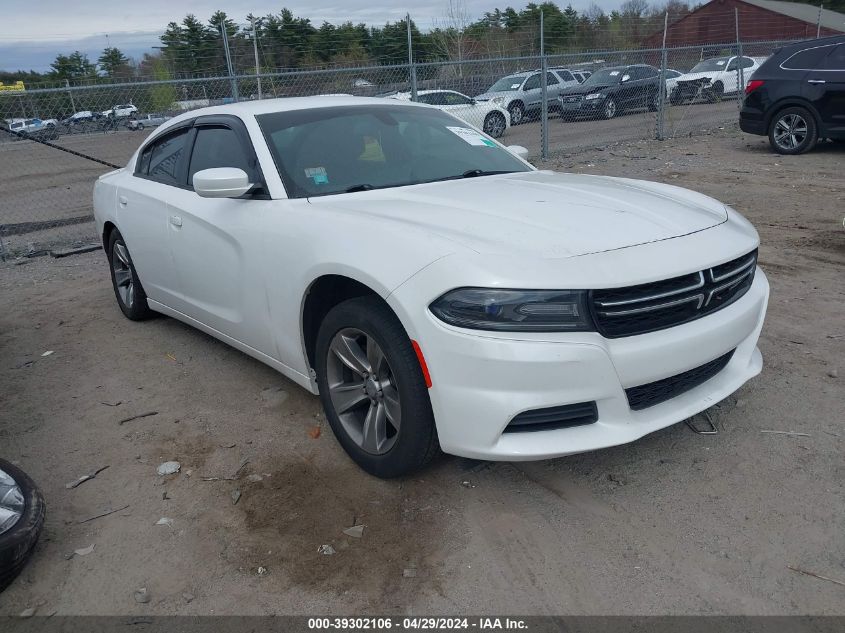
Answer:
(482, 380)
(581, 107)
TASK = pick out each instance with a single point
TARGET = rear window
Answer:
(808, 59)
(836, 60)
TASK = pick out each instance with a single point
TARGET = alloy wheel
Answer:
(123, 279)
(790, 131)
(610, 109)
(495, 125)
(11, 502)
(363, 391)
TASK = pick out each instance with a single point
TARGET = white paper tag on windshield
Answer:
(515, 86)
(613, 73)
(470, 136)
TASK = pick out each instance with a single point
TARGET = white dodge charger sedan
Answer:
(435, 289)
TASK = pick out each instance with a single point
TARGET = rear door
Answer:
(142, 216)
(826, 89)
(531, 92)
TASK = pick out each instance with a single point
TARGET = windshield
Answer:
(325, 151)
(605, 77)
(717, 63)
(507, 83)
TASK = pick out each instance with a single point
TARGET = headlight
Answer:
(595, 95)
(515, 310)
(498, 100)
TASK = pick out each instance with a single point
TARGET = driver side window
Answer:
(218, 146)
(532, 83)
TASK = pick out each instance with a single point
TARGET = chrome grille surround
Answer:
(659, 305)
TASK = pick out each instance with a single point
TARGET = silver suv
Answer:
(520, 93)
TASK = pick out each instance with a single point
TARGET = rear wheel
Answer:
(128, 290)
(495, 124)
(654, 102)
(517, 111)
(793, 131)
(373, 390)
(21, 519)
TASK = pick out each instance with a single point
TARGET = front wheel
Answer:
(610, 108)
(373, 390)
(793, 131)
(128, 290)
(517, 111)
(495, 124)
(716, 93)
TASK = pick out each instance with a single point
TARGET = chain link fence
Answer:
(46, 201)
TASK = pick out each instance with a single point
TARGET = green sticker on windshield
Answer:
(318, 175)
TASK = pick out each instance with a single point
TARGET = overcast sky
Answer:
(33, 33)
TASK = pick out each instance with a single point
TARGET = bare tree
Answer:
(450, 36)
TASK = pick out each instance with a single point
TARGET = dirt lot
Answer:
(675, 523)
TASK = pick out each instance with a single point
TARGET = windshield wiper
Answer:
(473, 173)
(362, 187)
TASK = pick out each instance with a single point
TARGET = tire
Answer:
(654, 102)
(793, 131)
(517, 112)
(495, 124)
(140, 126)
(675, 97)
(610, 109)
(133, 301)
(716, 93)
(17, 543)
(356, 325)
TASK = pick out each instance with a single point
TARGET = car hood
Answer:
(486, 96)
(585, 90)
(538, 213)
(693, 76)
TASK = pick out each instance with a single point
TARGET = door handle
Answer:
(123, 200)
(175, 220)
(816, 81)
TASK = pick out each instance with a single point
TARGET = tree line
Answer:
(285, 41)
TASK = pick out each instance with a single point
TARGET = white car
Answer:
(121, 111)
(672, 79)
(434, 288)
(714, 78)
(485, 115)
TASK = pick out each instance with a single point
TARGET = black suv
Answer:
(798, 96)
(610, 91)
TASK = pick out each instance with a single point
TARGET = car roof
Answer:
(246, 109)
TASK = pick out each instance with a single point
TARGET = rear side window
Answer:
(836, 60)
(217, 146)
(808, 59)
(161, 160)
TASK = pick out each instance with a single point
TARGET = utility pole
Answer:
(232, 79)
(661, 95)
(255, 50)
(411, 65)
(70, 94)
(740, 72)
(819, 21)
(544, 95)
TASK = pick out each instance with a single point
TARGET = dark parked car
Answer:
(798, 96)
(611, 91)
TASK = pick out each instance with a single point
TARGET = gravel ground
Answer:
(674, 523)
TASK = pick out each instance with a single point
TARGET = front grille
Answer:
(572, 99)
(562, 417)
(663, 304)
(659, 391)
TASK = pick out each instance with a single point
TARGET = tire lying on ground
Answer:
(21, 519)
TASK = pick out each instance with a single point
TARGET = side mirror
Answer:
(519, 150)
(221, 182)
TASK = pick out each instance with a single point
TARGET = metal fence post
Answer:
(412, 67)
(255, 51)
(740, 73)
(229, 67)
(544, 96)
(661, 103)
